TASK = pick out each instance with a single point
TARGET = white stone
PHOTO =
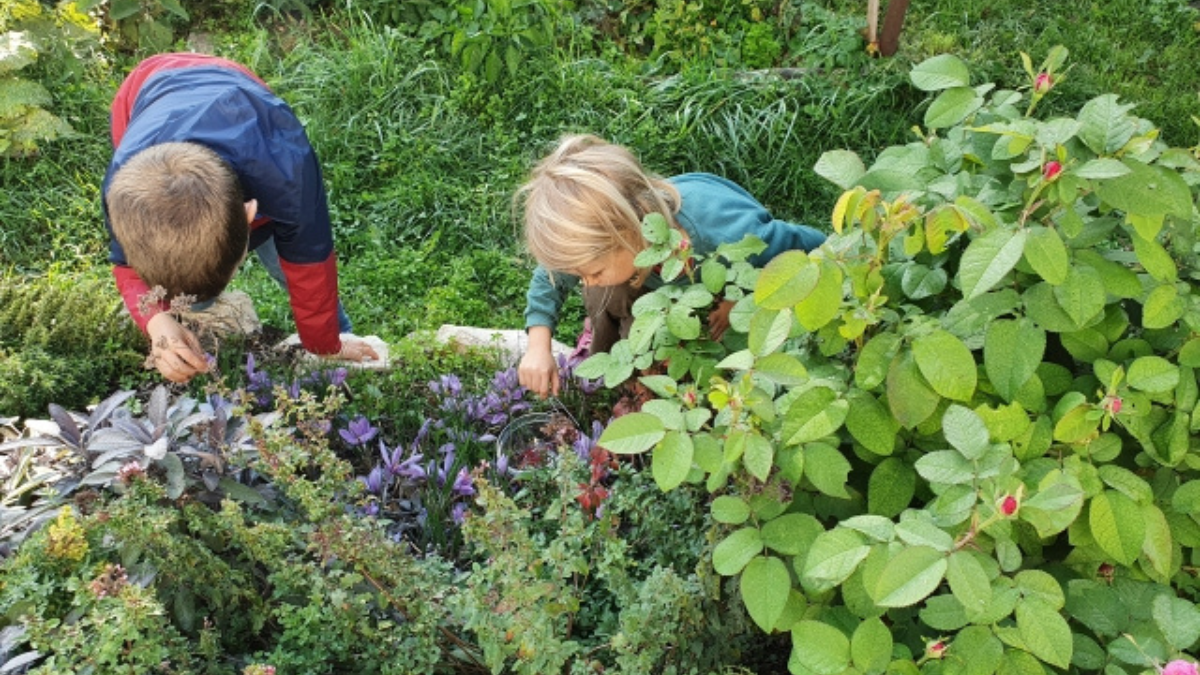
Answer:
(381, 348)
(510, 345)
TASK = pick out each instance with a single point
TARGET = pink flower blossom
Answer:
(1051, 170)
(1180, 667)
(1009, 505)
(1112, 404)
(935, 650)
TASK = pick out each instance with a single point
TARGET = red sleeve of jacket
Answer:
(313, 292)
(132, 288)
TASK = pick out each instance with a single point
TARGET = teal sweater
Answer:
(713, 211)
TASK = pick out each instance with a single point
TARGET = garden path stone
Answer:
(510, 345)
(232, 313)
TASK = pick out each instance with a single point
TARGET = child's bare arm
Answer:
(175, 351)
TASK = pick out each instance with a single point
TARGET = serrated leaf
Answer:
(1178, 619)
(792, 533)
(843, 168)
(965, 431)
(1045, 632)
(1009, 368)
(870, 423)
(832, 558)
(816, 413)
(1047, 255)
(730, 510)
(1117, 526)
(871, 646)
(826, 468)
(909, 395)
(1152, 374)
(1105, 125)
(819, 648)
(789, 278)
(891, 488)
(951, 107)
(672, 460)
(969, 582)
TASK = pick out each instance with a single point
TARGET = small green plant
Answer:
(138, 24)
(942, 438)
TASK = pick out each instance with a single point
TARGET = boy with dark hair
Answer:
(209, 164)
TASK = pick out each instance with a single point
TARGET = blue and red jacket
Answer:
(223, 106)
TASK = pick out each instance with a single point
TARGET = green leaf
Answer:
(1117, 526)
(238, 491)
(1041, 586)
(1081, 295)
(683, 322)
(759, 456)
(735, 551)
(1103, 167)
(940, 72)
(672, 460)
(820, 648)
(891, 488)
(969, 582)
(871, 369)
(768, 329)
(765, 586)
(951, 107)
(1178, 619)
(1105, 125)
(782, 369)
(832, 558)
(826, 468)
(945, 467)
(1047, 254)
(1045, 632)
(730, 510)
(871, 646)
(921, 282)
(825, 302)
(946, 364)
(1153, 374)
(870, 423)
(840, 167)
(988, 259)
(792, 533)
(1148, 191)
(655, 228)
(119, 10)
(1155, 259)
(975, 651)
(632, 434)
(965, 431)
(1158, 548)
(909, 577)
(816, 413)
(1008, 369)
(1163, 307)
(789, 278)
(1119, 280)
(909, 396)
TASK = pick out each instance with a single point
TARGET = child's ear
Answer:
(251, 210)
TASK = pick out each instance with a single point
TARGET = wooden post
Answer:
(893, 22)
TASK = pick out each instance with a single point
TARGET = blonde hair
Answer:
(586, 200)
(178, 213)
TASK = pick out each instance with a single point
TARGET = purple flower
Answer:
(458, 513)
(358, 432)
(371, 509)
(376, 481)
(502, 464)
(462, 483)
(336, 377)
(583, 444)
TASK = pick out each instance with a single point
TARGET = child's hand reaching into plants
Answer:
(718, 320)
(538, 371)
(175, 350)
(357, 351)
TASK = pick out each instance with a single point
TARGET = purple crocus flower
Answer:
(371, 509)
(336, 376)
(502, 464)
(458, 513)
(375, 481)
(358, 432)
(462, 483)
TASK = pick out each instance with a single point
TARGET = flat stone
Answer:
(510, 345)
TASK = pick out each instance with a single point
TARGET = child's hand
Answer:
(538, 372)
(175, 351)
(718, 320)
(356, 350)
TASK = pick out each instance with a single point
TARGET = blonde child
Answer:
(583, 209)
(208, 163)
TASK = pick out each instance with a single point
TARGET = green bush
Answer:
(958, 437)
(64, 338)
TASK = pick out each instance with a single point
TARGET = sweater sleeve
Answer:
(313, 294)
(546, 296)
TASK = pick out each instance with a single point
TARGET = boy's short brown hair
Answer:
(178, 212)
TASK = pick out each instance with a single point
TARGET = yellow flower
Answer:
(65, 539)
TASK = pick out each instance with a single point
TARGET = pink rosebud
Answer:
(1009, 506)
(684, 244)
(1180, 667)
(1043, 83)
(935, 650)
(1051, 170)
(1113, 404)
